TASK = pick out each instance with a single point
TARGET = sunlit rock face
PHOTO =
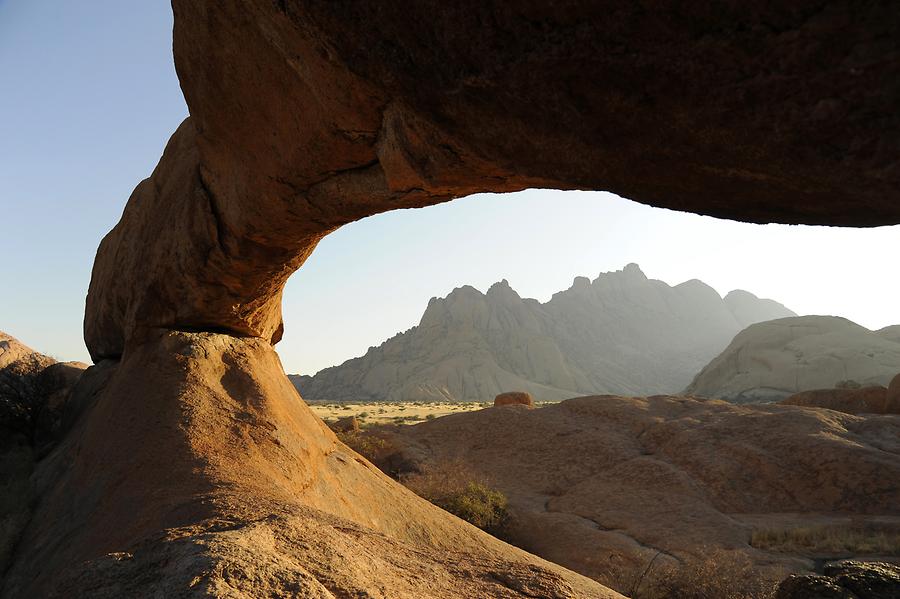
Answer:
(621, 333)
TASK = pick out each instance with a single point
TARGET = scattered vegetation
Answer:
(372, 447)
(720, 575)
(391, 412)
(844, 539)
(454, 487)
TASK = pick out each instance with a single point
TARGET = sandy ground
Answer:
(392, 412)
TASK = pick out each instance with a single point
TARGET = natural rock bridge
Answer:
(194, 454)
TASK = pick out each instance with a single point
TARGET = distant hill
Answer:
(772, 360)
(621, 333)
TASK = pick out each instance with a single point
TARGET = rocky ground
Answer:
(609, 485)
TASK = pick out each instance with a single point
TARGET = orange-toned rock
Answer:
(865, 400)
(347, 424)
(514, 398)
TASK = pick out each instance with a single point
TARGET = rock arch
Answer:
(305, 116)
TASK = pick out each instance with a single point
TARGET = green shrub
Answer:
(369, 446)
(477, 504)
(453, 486)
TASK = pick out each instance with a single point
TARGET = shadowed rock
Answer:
(845, 580)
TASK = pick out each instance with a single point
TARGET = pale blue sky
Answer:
(88, 98)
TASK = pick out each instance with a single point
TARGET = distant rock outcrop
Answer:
(514, 398)
(773, 360)
(865, 400)
(622, 333)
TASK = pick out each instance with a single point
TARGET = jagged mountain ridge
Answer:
(621, 333)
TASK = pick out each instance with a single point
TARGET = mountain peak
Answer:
(581, 283)
(622, 333)
(631, 272)
(633, 268)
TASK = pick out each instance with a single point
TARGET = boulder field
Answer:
(193, 469)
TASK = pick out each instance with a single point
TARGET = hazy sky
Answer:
(88, 98)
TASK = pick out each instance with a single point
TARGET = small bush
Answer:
(453, 486)
(369, 446)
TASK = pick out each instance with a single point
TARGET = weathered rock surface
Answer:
(845, 580)
(773, 360)
(622, 333)
(603, 485)
(198, 471)
(865, 400)
(514, 398)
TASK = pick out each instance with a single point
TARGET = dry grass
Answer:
(836, 539)
(391, 412)
(719, 575)
(454, 487)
